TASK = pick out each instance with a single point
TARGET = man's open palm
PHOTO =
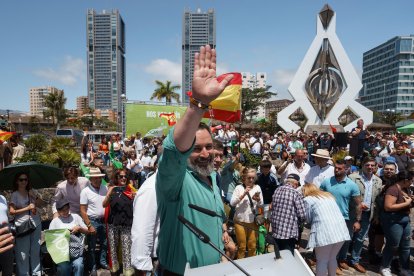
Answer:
(205, 85)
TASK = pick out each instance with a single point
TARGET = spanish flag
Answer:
(227, 107)
(4, 136)
(170, 118)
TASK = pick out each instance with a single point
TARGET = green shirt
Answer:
(176, 187)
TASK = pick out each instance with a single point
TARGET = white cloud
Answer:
(68, 73)
(164, 69)
(283, 77)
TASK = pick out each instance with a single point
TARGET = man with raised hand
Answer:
(186, 175)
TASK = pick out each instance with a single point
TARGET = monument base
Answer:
(323, 128)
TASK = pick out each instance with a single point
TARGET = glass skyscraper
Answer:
(388, 76)
(199, 29)
(105, 43)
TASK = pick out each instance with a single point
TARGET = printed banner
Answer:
(57, 243)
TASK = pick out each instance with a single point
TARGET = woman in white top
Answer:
(243, 212)
(23, 206)
(328, 228)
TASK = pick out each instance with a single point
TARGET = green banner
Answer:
(57, 244)
(145, 117)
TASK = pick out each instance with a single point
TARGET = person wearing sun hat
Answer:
(92, 212)
(321, 170)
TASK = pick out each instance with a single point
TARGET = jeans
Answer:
(246, 237)
(27, 253)
(105, 158)
(344, 249)
(359, 238)
(286, 244)
(74, 267)
(326, 258)
(100, 228)
(6, 263)
(397, 232)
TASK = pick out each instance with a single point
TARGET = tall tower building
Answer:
(199, 29)
(388, 76)
(105, 42)
(37, 99)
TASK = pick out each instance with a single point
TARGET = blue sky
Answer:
(43, 41)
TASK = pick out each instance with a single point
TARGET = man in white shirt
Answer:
(146, 160)
(70, 189)
(322, 169)
(138, 143)
(296, 165)
(145, 228)
(92, 212)
(256, 144)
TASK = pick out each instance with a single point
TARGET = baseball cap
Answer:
(293, 176)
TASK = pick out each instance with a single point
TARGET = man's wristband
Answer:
(89, 225)
(199, 104)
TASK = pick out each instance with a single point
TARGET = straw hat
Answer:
(322, 153)
(95, 172)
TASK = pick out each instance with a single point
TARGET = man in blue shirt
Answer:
(344, 190)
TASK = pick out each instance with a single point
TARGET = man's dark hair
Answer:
(265, 164)
(218, 145)
(340, 162)
(369, 159)
(204, 126)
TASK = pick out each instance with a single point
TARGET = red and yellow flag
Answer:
(227, 107)
(170, 118)
(4, 135)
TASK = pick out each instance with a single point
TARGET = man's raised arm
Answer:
(205, 89)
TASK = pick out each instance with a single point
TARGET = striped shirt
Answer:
(288, 210)
(327, 223)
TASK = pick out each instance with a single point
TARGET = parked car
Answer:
(75, 135)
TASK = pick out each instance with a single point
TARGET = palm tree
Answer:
(166, 90)
(55, 104)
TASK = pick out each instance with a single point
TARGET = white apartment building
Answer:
(37, 99)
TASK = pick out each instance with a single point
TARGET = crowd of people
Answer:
(128, 219)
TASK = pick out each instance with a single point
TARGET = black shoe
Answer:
(374, 259)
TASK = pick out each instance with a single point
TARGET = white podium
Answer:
(260, 265)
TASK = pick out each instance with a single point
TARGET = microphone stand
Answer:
(269, 238)
(206, 239)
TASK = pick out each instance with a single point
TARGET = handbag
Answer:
(258, 219)
(76, 245)
(26, 227)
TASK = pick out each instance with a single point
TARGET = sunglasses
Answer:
(22, 179)
(122, 176)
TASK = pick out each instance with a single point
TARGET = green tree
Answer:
(55, 107)
(167, 91)
(252, 100)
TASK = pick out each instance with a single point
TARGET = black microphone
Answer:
(206, 239)
(200, 234)
(269, 238)
(203, 210)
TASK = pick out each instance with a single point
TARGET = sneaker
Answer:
(385, 271)
(406, 272)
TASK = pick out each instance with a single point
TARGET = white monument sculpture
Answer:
(326, 83)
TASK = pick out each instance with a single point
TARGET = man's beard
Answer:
(201, 170)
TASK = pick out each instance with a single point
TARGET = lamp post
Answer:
(123, 119)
